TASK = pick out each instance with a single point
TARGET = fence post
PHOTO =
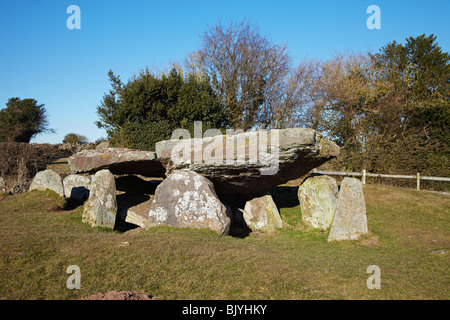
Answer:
(363, 175)
(418, 180)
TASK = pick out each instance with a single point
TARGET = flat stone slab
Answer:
(249, 162)
(134, 208)
(117, 161)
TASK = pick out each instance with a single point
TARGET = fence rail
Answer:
(365, 174)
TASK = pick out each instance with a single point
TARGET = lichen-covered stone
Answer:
(188, 200)
(118, 161)
(100, 209)
(48, 179)
(249, 162)
(261, 214)
(77, 187)
(350, 220)
(318, 198)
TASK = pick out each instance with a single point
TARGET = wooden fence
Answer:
(365, 174)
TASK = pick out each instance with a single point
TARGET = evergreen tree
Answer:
(149, 107)
(21, 120)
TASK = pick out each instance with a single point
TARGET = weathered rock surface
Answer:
(77, 187)
(134, 208)
(118, 161)
(48, 179)
(318, 198)
(101, 208)
(2, 185)
(261, 214)
(186, 199)
(249, 162)
(350, 220)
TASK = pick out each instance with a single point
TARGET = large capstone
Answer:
(188, 200)
(350, 220)
(249, 162)
(100, 209)
(118, 161)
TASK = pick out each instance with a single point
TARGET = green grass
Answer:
(406, 227)
(60, 166)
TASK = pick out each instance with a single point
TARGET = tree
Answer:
(73, 138)
(21, 120)
(109, 108)
(419, 71)
(418, 78)
(388, 111)
(149, 107)
(251, 74)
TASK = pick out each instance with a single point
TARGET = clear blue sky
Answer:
(67, 69)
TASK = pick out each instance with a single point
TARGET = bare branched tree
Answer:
(252, 75)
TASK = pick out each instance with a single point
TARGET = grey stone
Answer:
(103, 145)
(100, 209)
(134, 208)
(48, 179)
(261, 214)
(249, 162)
(2, 185)
(188, 200)
(118, 161)
(350, 220)
(318, 199)
(77, 187)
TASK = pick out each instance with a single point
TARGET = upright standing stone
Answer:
(188, 200)
(100, 209)
(261, 214)
(350, 220)
(48, 179)
(77, 187)
(318, 198)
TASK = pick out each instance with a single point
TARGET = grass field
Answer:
(409, 238)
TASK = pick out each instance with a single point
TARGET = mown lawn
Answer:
(409, 238)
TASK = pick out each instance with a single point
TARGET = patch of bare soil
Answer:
(120, 295)
(371, 241)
